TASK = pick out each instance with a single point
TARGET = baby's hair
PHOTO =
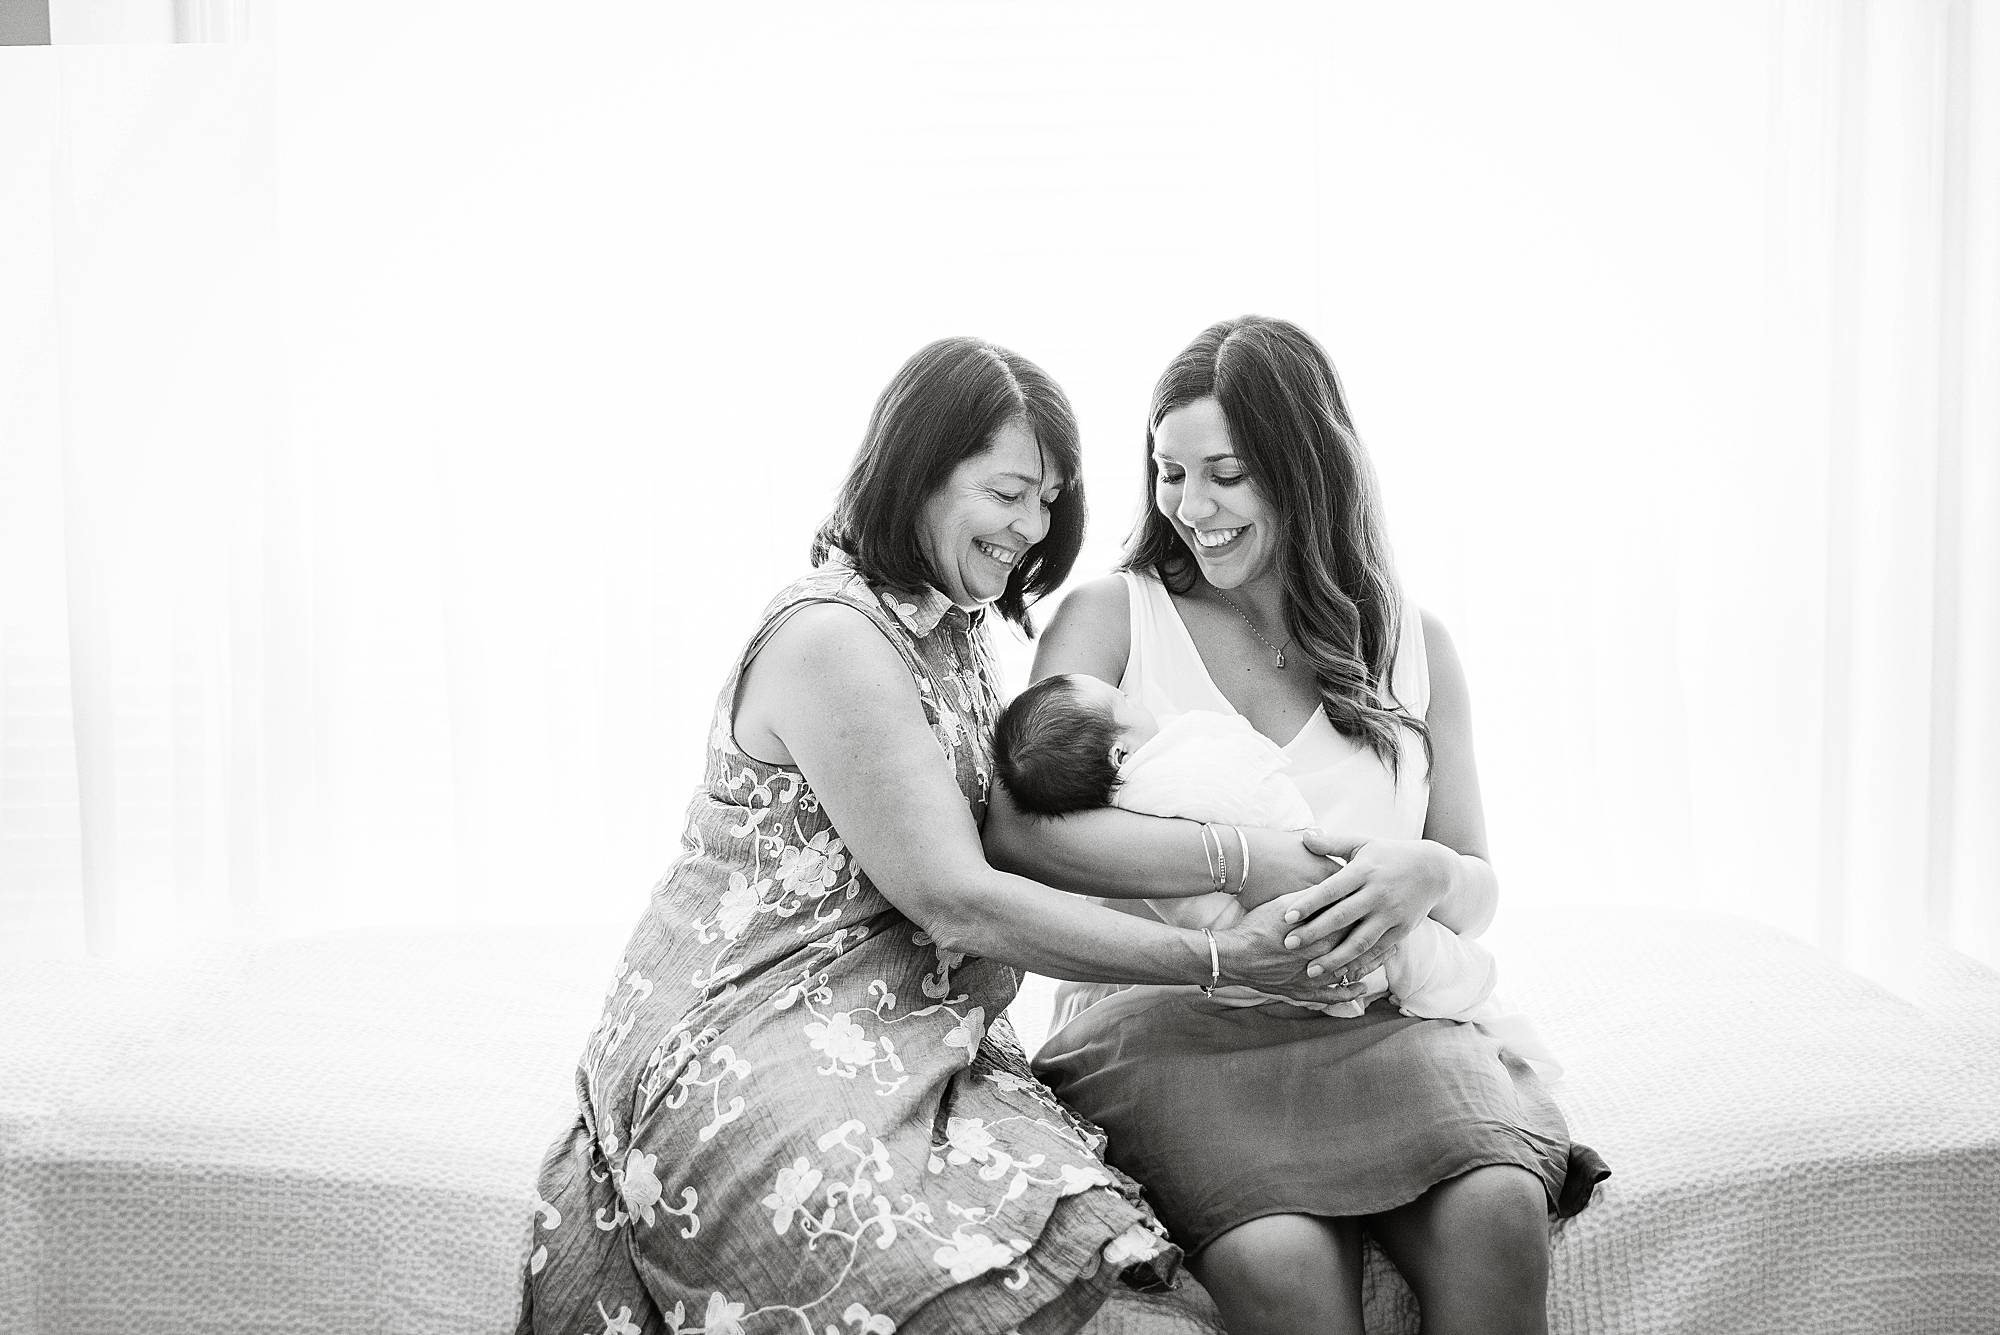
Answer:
(1053, 751)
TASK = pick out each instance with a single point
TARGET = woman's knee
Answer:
(1475, 1249)
(1285, 1273)
(1499, 1206)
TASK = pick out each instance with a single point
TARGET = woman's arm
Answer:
(1118, 854)
(1457, 817)
(832, 691)
(1390, 885)
(1109, 852)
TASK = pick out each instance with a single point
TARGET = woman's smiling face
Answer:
(1205, 491)
(994, 507)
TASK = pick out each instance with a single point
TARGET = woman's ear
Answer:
(1118, 753)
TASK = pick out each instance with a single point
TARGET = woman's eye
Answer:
(1229, 479)
(1170, 477)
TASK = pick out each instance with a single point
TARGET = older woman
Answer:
(1270, 1137)
(803, 1109)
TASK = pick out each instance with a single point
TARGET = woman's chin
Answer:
(1220, 573)
(1232, 570)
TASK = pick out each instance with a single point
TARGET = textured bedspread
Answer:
(338, 1135)
(1794, 1149)
(333, 1135)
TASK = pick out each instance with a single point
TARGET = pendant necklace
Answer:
(1277, 650)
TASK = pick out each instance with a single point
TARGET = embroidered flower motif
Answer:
(1077, 1177)
(1134, 1244)
(622, 1324)
(970, 1254)
(793, 1191)
(723, 1317)
(841, 1039)
(967, 1033)
(969, 1139)
(866, 1322)
(950, 725)
(814, 867)
(738, 905)
(639, 1185)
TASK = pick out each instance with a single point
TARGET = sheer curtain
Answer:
(417, 407)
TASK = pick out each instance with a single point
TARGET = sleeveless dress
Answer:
(798, 1114)
(1230, 1112)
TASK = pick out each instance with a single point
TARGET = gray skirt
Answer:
(1225, 1114)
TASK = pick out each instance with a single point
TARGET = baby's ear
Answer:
(1118, 754)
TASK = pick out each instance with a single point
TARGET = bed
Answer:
(337, 1134)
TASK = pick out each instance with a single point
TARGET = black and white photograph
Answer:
(1000, 667)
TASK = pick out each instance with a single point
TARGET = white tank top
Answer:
(1348, 787)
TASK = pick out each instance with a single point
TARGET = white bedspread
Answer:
(1794, 1150)
(338, 1135)
(332, 1135)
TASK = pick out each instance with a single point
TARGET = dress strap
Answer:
(1163, 669)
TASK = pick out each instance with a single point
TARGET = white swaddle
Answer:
(1209, 766)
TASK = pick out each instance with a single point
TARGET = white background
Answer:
(419, 400)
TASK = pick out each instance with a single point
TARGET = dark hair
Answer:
(1289, 423)
(942, 408)
(1053, 751)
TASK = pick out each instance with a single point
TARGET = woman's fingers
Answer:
(1301, 905)
(1343, 846)
(1308, 930)
(1363, 950)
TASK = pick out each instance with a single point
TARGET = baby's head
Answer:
(1058, 746)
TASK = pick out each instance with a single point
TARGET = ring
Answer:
(1340, 979)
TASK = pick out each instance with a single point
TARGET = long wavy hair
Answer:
(1289, 424)
(942, 408)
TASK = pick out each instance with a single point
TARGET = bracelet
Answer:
(1211, 848)
(1214, 965)
(1243, 843)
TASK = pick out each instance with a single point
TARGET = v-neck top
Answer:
(1350, 789)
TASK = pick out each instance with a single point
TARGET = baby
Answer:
(1071, 743)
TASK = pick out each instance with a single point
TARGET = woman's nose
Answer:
(1034, 525)
(1195, 504)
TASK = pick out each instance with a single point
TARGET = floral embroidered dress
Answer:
(798, 1114)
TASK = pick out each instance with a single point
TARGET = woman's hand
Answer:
(1254, 953)
(1351, 922)
(1282, 862)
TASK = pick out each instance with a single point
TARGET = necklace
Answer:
(1278, 650)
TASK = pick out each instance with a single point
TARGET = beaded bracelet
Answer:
(1218, 863)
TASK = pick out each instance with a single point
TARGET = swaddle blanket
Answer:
(1210, 766)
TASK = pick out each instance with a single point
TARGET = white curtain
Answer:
(416, 407)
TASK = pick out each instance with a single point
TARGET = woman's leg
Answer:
(1475, 1249)
(1286, 1273)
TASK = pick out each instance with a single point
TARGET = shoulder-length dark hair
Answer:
(1289, 424)
(942, 408)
